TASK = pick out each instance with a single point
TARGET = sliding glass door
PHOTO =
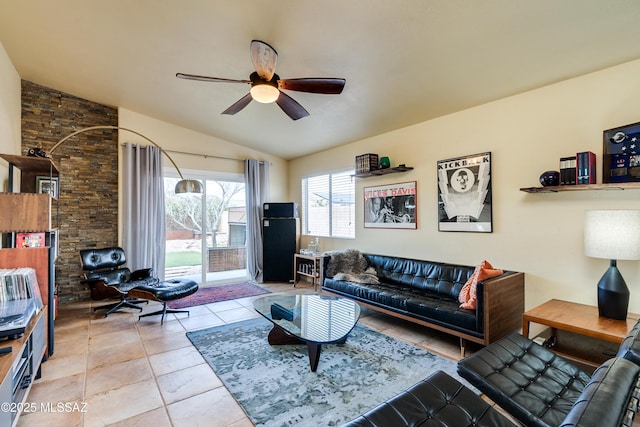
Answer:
(206, 234)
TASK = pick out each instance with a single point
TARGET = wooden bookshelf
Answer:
(26, 212)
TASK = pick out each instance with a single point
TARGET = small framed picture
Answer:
(621, 154)
(30, 240)
(47, 185)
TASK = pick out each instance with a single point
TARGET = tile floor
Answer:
(121, 371)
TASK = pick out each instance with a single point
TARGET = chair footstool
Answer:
(164, 292)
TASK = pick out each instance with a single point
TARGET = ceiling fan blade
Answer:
(291, 107)
(239, 105)
(209, 79)
(264, 58)
(327, 86)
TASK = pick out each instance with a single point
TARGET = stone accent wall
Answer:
(87, 210)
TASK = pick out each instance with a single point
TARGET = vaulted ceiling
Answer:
(404, 61)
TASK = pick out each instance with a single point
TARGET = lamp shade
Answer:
(188, 186)
(612, 234)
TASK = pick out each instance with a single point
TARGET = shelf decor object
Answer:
(621, 154)
(366, 163)
(613, 235)
(183, 186)
(464, 194)
(550, 179)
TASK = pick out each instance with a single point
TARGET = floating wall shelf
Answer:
(583, 187)
(385, 171)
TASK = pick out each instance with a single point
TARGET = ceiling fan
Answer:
(266, 85)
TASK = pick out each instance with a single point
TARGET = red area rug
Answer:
(218, 293)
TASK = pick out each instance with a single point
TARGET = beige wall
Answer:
(9, 113)
(539, 234)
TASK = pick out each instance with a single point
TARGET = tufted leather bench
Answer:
(608, 399)
(438, 400)
(540, 388)
(164, 292)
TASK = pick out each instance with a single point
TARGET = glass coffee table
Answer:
(308, 319)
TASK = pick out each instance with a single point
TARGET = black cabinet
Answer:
(280, 244)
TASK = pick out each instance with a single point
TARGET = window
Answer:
(328, 205)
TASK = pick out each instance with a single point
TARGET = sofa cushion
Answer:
(468, 292)
(445, 279)
(429, 306)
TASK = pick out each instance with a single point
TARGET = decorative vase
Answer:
(384, 162)
(550, 178)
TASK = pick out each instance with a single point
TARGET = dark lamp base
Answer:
(613, 294)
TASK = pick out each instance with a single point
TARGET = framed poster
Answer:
(390, 206)
(46, 184)
(464, 194)
(621, 154)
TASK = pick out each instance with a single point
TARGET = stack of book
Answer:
(578, 169)
(366, 163)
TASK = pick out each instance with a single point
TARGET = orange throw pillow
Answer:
(468, 292)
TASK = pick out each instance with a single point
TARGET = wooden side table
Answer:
(307, 266)
(579, 332)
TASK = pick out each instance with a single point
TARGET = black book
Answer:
(568, 168)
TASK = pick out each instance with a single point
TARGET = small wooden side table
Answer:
(307, 266)
(579, 331)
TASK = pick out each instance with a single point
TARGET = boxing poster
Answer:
(464, 194)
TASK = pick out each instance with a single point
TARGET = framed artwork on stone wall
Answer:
(391, 206)
(464, 194)
(46, 184)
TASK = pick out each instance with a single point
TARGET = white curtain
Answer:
(256, 179)
(144, 215)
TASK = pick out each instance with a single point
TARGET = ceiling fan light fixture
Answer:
(264, 93)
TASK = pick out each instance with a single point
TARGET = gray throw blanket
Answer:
(351, 266)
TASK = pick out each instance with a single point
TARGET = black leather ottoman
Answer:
(439, 400)
(166, 291)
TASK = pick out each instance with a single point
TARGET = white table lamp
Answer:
(613, 235)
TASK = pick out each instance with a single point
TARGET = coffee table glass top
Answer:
(312, 318)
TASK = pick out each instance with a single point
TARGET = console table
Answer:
(309, 266)
(578, 332)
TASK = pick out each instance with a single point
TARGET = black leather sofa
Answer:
(427, 292)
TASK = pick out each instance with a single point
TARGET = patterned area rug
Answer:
(275, 386)
(218, 293)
